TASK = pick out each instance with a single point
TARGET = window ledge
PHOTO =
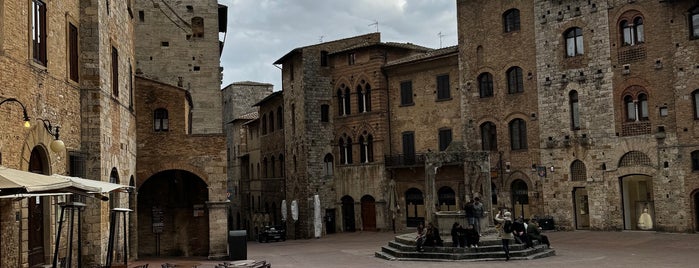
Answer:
(412, 104)
(444, 99)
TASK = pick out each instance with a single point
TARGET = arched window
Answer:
(343, 100)
(364, 97)
(273, 167)
(574, 42)
(514, 80)
(489, 137)
(328, 165)
(265, 168)
(574, 110)
(345, 150)
(518, 134)
(578, 171)
(485, 85)
(636, 104)
(510, 20)
(271, 122)
(446, 199)
(643, 107)
(264, 124)
(366, 149)
(694, 22)
(281, 166)
(280, 118)
(160, 120)
(632, 32)
(630, 108)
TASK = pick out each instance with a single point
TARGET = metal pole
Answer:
(126, 237)
(110, 245)
(70, 238)
(58, 238)
(80, 241)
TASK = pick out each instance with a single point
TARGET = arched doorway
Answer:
(38, 213)
(415, 207)
(520, 198)
(637, 198)
(447, 199)
(368, 213)
(348, 213)
(173, 220)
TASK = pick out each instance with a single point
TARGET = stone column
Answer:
(218, 233)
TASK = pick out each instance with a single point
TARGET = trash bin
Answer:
(238, 245)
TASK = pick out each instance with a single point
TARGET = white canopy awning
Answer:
(13, 181)
(101, 186)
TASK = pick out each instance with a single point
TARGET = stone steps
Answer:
(490, 248)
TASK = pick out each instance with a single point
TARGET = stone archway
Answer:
(38, 211)
(173, 216)
(348, 214)
(368, 213)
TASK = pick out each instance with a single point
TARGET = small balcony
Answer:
(635, 128)
(404, 161)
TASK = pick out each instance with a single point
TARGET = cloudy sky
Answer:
(262, 31)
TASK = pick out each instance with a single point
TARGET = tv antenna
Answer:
(440, 38)
(320, 40)
(376, 23)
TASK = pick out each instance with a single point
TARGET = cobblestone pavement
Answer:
(573, 249)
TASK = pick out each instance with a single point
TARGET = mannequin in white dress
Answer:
(645, 222)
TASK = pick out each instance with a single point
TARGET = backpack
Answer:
(508, 227)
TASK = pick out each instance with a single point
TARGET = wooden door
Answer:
(368, 213)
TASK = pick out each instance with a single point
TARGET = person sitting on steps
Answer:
(535, 234)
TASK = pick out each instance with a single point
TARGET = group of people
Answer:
(464, 237)
(521, 230)
(428, 236)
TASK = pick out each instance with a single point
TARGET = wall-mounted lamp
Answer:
(24, 110)
(56, 145)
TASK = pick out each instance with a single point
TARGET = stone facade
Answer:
(184, 34)
(569, 102)
(611, 139)
(487, 50)
(176, 164)
(96, 119)
(239, 110)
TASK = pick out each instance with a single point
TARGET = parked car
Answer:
(276, 233)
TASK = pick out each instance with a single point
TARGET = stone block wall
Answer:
(172, 50)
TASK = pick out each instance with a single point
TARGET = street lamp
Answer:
(24, 110)
(56, 145)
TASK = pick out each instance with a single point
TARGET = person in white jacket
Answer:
(506, 235)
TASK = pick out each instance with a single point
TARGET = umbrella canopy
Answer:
(101, 186)
(284, 210)
(14, 181)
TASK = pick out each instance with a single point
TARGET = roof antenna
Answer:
(321, 38)
(376, 23)
(440, 38)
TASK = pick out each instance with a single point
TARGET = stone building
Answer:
(69, 64)
(178, 44)
(569, 101)
(239, 115)
(613, 141)
(498, 83)
(183, 202)
(424, 110)
(182, 199)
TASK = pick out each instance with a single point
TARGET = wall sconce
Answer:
(56, 145)
(24, 110)
(551, 169)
